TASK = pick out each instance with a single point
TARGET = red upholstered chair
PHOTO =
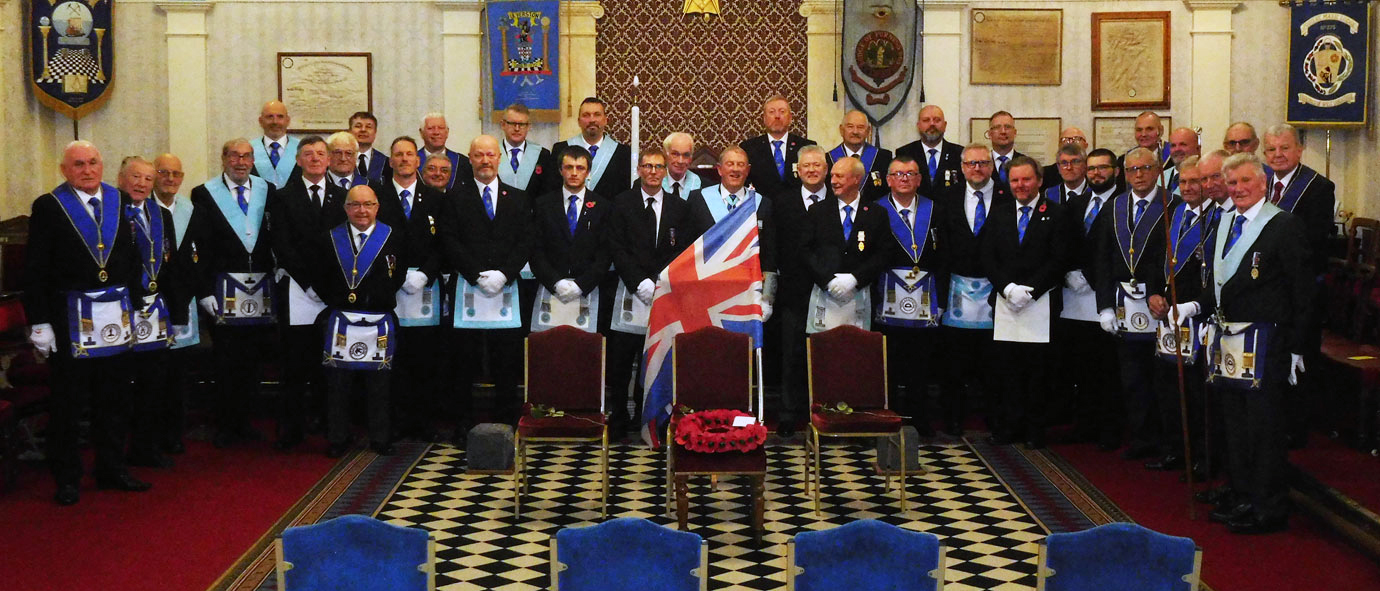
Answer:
(565, 373)
(848, 364)
(712, 369)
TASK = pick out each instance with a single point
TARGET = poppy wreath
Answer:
(712, 431)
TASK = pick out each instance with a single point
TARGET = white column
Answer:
(188, 126)
(822, 112)
(579, 34)
(462, 33)
(943, 48)
(1211, 97)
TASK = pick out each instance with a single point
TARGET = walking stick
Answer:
(1178, 346)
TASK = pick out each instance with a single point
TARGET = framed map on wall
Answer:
(1130, 60)
(1037, 137)
(322, 90)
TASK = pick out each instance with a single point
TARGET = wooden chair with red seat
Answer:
(564, 376)
(848, 365)
(712, 369)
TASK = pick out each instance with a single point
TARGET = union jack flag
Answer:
(717, 281)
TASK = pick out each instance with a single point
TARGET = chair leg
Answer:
(606, 473)
(903, 470)
(517, 474)
(814, 434)
(759, 502)
(805, 463)
(682, 500)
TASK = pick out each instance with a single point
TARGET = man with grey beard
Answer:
(939, 159)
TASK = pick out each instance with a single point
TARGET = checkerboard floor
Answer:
(990, 538)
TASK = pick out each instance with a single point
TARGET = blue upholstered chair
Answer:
(1122, 556)
(628, 554)
(356, 553)
(864, 555)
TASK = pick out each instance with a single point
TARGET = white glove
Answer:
(1203, 332)
(1076, 281)
(842, 286)
(492, 282)
(279, 274)
(208, 304)
(568, 291)
(1295, 368)
(42, 338)
(646, 290)
(1181, 313)
(414, 282)
(311, 293)
(1107, 318)
(766, 310)
(1019, 295)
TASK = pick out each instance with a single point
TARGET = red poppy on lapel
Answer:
(1042, 207)
(864, 208)
(589, 205)
(538, 170)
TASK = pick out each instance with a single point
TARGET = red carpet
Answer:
(1352, 473)
(180, 536)
(1307, 556)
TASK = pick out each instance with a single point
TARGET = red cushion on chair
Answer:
(6, 411)
(848, 364)
(724, 462)
(565, 369)
(857, 422)
(713, 369)
(573, 424)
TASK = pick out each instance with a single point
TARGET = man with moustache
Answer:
(1023, 255)
(486, 236)
(1087, 353)
(680, 152)
(855, 131)
(571, 256)
(273, 153)
(940, 157)
(967, 318)
(78, 246)
(434, 133)
(168, 182)
(791, 208)
(1070, 136)
(164, 306)
(610, 171)
(342, 147)
(772, 155)
(1240, 137)
(413, 210)
(297, 214)
(436, 173)
(1129, 267)
(1183, 142)
(526, 166)
(1001, 131)
(371, 162)
(235, 265)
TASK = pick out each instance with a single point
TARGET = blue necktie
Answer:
(593, 150)
(1188, 223)
(1236, 226)
(847, 222)
(273, 155)
(95, 203)
(732, 201)
(363, 237)
(980, 214)
(1092, 214)
(934, 164)
(514, 161)
(1023, 223)
(780, 158)
(489, 202)
(572, 215)
(1001, 167)
(1214, 217)
(407, 206)
(345, 183)
(138, 213)
(1140, 211)
(239, 196)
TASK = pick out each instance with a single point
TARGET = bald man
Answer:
(166, 187)
(939, 158)
(1070, 136)
(1149, 134)
(838, 257)
(856, 130)
(275, 153)
(486, 236)
(1183, 143)
(1240, 137)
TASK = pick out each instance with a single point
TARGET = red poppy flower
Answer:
(1042, 208)
(538, 170)
(589, 205)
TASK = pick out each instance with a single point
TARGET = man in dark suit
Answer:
(842, 227)
(1070, 136)
(1149, 133)
(358, 272)
(1001, 131)
(235, 264)
(1023, 254)
(646, 231)
(78, 244)
(435, 132)
(369, 161)
(1260, 275)
(610, 170)
(1129, 267)
(342, 172)
(486, 236)
(526, 166)
(967, 321)
(710, 204)
(297, 214)
(773, 155)
(274, 152)
(791, 207)
(571, 256)
(855, 131)
(166, 191)
(939, 158)
(413, 210)
(1311, 197)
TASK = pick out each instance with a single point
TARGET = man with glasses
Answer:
(773, 154)
(1069, 136)
(342, 148)
(967, 317)
(1129, 268)
(166, 185)
(1239, 138)
(436, 173)
(939, 158)
(680, 152)
(369, 162)
(610, 172)
(856, 130)
(526, 166)
(435, 133)
(1001, 131)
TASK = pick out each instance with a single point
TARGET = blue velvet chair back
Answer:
(355, 553)
(867, 554)
(627, 554)
(1118, 556)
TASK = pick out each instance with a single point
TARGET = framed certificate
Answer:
(322, 90)
(1016, 46)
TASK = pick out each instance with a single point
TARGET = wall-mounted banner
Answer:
(879, 56)
(524, 56)
(71, 53)
(1329, 59)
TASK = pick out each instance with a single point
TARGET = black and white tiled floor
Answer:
(990, 538)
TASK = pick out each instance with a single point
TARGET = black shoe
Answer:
(1254, 524)
(223, 439)
(1230, 514)
(1035, 443)
(1200, 473)
(1138, 452)
(175, 447)
(785, 431)
(1213, 496)
(122, 481)
(288, 441)
(150, 459)
(383, 449)
(67, 495)
(1296, 441)
(1000, 440)
(1168, 462)
(337, 450)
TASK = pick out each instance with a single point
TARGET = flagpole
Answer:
(636, 126)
